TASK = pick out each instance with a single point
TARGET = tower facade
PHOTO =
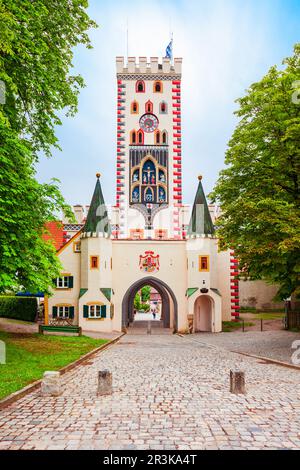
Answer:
(148, 169)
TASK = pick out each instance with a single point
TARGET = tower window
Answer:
(163, 109)
(133, 137)
(203, 263)
(140, 136)
(149, 107)
(157, 137)
(94, 262)
(164, 137)
(134, 107)
(157, 87)
(140, 86)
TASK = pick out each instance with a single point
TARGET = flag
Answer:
(169, 51)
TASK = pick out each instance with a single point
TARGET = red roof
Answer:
(55, 233)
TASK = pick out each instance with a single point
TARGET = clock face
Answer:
(149, 122)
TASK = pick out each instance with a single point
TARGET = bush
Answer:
(19, 308)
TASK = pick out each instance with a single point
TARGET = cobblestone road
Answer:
(169, 393)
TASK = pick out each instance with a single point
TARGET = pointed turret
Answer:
(200, 222)
(97, 219)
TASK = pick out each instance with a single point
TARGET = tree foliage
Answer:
(36, 49)
(258, 191)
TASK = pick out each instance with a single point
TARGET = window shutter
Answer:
(71, 312)
(85, 311)
(54, 312)
(71, 281)
(103, 311)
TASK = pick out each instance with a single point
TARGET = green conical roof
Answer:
(200, 223)
(97, 218)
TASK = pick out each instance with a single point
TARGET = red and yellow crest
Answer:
(149, 262)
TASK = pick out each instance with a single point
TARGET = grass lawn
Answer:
(228, 326)
(28, 356)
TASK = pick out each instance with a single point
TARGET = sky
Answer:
(225, 44)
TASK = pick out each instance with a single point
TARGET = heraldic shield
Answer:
(149, 262)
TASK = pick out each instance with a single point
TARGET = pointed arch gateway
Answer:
(169, 302)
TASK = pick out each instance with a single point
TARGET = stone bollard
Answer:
(51, 384)
(104, 382)
(237, 381)
(149, 328)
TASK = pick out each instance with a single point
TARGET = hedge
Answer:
(20, 308)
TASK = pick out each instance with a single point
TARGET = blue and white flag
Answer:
(169, 50)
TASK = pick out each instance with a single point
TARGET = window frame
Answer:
(157, 82)
(137, 86)
(94, 257)
(201, 257)
(65, 282)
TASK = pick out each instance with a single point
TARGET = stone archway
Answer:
(203, 313)
(169, 302)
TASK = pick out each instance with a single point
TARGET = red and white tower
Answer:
(148, 170)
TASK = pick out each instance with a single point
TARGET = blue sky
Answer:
(226, 45)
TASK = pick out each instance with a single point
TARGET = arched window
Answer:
(135, 176)
(164, 137)
(149, 173)
(140, 86)
(148, 195)
(157, 87)
(161, 194)
(149, 107)
(140, 137)
(134, 107)
(163, 108)
(135, 195)
(157, 137)
(133, 137)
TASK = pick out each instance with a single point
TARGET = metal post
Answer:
(261, 324)
(149, 328)
(243, 325)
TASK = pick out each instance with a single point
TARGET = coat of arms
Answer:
(149, 262)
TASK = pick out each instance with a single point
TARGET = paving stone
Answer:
(169, 393)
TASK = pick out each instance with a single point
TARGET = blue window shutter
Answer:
(71, 281)
(71, 312)
(54, 312)
(103, 311)
(85, 311)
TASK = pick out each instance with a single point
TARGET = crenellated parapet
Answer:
(156, 66)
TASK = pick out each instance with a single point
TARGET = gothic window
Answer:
(149, 107)
(135, 195)
(134, 107)
(157, 137)
(149, 197)
(140, 137)
(161, 194)
(149, 173)
(157, 87)
(164, 137)
(161, 176)
(135, 176)
(140, 86)
(163, 108)
(133, 137)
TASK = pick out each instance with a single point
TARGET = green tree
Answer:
(36, 50)
(258, 191)
(145, 291)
